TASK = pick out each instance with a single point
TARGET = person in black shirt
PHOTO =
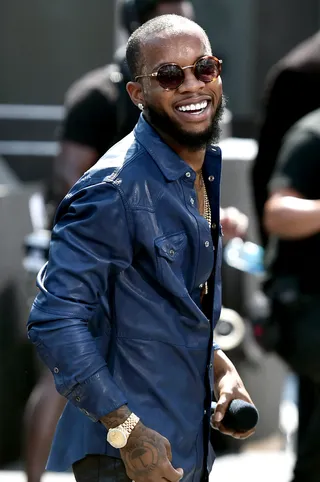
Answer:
(297, 72)
(292, 221)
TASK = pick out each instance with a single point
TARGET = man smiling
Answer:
(131, 293)
(179, 107)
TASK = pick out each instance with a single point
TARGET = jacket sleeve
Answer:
(91, 243)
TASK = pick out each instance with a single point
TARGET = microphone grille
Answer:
(244, 415)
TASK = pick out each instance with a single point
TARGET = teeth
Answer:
(193, 107)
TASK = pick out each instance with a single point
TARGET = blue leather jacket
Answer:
(118, 317)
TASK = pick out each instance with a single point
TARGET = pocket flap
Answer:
(170, 246)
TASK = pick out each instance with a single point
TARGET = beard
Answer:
(191, 140)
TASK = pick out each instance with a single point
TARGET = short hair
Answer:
(175, 24)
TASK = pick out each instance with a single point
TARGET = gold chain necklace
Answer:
(206, 210)
(207, 216)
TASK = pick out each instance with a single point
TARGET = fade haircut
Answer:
(175, 24)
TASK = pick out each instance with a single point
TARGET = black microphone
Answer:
(240, 416)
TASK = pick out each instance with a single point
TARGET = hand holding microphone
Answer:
(234, 413)
(239, 420)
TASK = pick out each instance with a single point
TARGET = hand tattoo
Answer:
(144, 452)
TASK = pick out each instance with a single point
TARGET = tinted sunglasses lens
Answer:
(207, 69)
(170, 76)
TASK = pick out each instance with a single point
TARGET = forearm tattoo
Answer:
(117, 417)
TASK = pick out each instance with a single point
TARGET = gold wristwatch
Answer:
(118, 436)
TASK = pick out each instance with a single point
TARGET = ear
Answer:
(135, 92)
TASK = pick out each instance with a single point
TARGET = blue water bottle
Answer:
(244, 256)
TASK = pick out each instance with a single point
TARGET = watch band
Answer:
(130, 423)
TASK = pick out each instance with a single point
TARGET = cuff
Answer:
(97, 396)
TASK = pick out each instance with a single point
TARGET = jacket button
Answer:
(171, 252)
(188, 174)
(213, 226)
(207, 244)
(56, 370)
(211, 178)
(78, 399)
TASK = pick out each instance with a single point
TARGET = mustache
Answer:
(192, 141)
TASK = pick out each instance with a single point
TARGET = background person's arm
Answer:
(280, 113)
(288, 216)
(72, 161)
(293, 208)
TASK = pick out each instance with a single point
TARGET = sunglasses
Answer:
(170, 76)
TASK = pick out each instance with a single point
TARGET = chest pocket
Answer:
(170, 257)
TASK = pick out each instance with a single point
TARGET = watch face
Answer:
(116, 438)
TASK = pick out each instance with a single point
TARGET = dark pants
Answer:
(100, 468)
(307, 468)
(300, 348)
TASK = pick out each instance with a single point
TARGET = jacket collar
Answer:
(170, 164)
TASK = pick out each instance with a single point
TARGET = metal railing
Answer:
(17, 112)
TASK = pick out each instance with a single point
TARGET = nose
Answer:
(190, 83)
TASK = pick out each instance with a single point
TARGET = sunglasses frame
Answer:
(193, 66)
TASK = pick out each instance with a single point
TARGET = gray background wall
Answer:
(44, 46)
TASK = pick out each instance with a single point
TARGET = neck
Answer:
(194, 159)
